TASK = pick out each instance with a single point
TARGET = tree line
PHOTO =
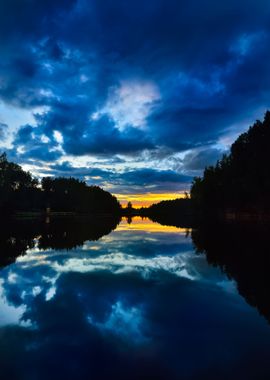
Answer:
(19, 235)
(240, 181)
(20, 191)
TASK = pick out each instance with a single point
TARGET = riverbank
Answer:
(60, 214)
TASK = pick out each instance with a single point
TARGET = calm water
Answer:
(140, 302)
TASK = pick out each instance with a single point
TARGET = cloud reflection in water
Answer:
(138, 302)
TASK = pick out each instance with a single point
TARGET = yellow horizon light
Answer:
(147, 199)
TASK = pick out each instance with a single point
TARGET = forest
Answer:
(20, 192)
(238, 184)
(240, 180)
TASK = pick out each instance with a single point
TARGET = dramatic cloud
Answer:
(130, 181)
(156, 85)
(198, 160)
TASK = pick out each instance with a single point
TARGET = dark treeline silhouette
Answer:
(237, 187)
(176, 212)
(240, 181)
(19, 191)
(70, 194)
(17, 236)
(242, 252)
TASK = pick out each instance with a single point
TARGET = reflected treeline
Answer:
(242, 252)
(173, 220)
(17, 236)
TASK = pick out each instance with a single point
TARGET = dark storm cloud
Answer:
(34, 146)
(144, 177)
(140, 177)
(209, 62)
(30, 18)
(67, 170)
(151, 180)
(101, 137)
(198, 160)
(126, 181)
(181, 33)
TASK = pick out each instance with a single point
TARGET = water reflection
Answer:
(138, 223)
(138, 303)
(242, 252)
(17, 236)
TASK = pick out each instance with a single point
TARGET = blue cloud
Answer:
(127, 181)
(145, 177)
(122, 78)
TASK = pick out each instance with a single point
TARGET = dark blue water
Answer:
(139, 303)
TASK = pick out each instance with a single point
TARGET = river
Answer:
(144, 301)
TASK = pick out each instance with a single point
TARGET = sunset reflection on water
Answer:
(144, 224)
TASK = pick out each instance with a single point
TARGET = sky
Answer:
(134, 96)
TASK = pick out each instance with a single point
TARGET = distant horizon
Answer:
(146, 199)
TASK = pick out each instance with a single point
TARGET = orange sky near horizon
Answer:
(146, 199)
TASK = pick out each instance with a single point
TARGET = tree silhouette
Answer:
(19, 191)
(177, 212)
(70, 194)
(241, 179)
(14, 182)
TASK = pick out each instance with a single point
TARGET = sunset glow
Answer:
(147, 199)
(146, 225)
